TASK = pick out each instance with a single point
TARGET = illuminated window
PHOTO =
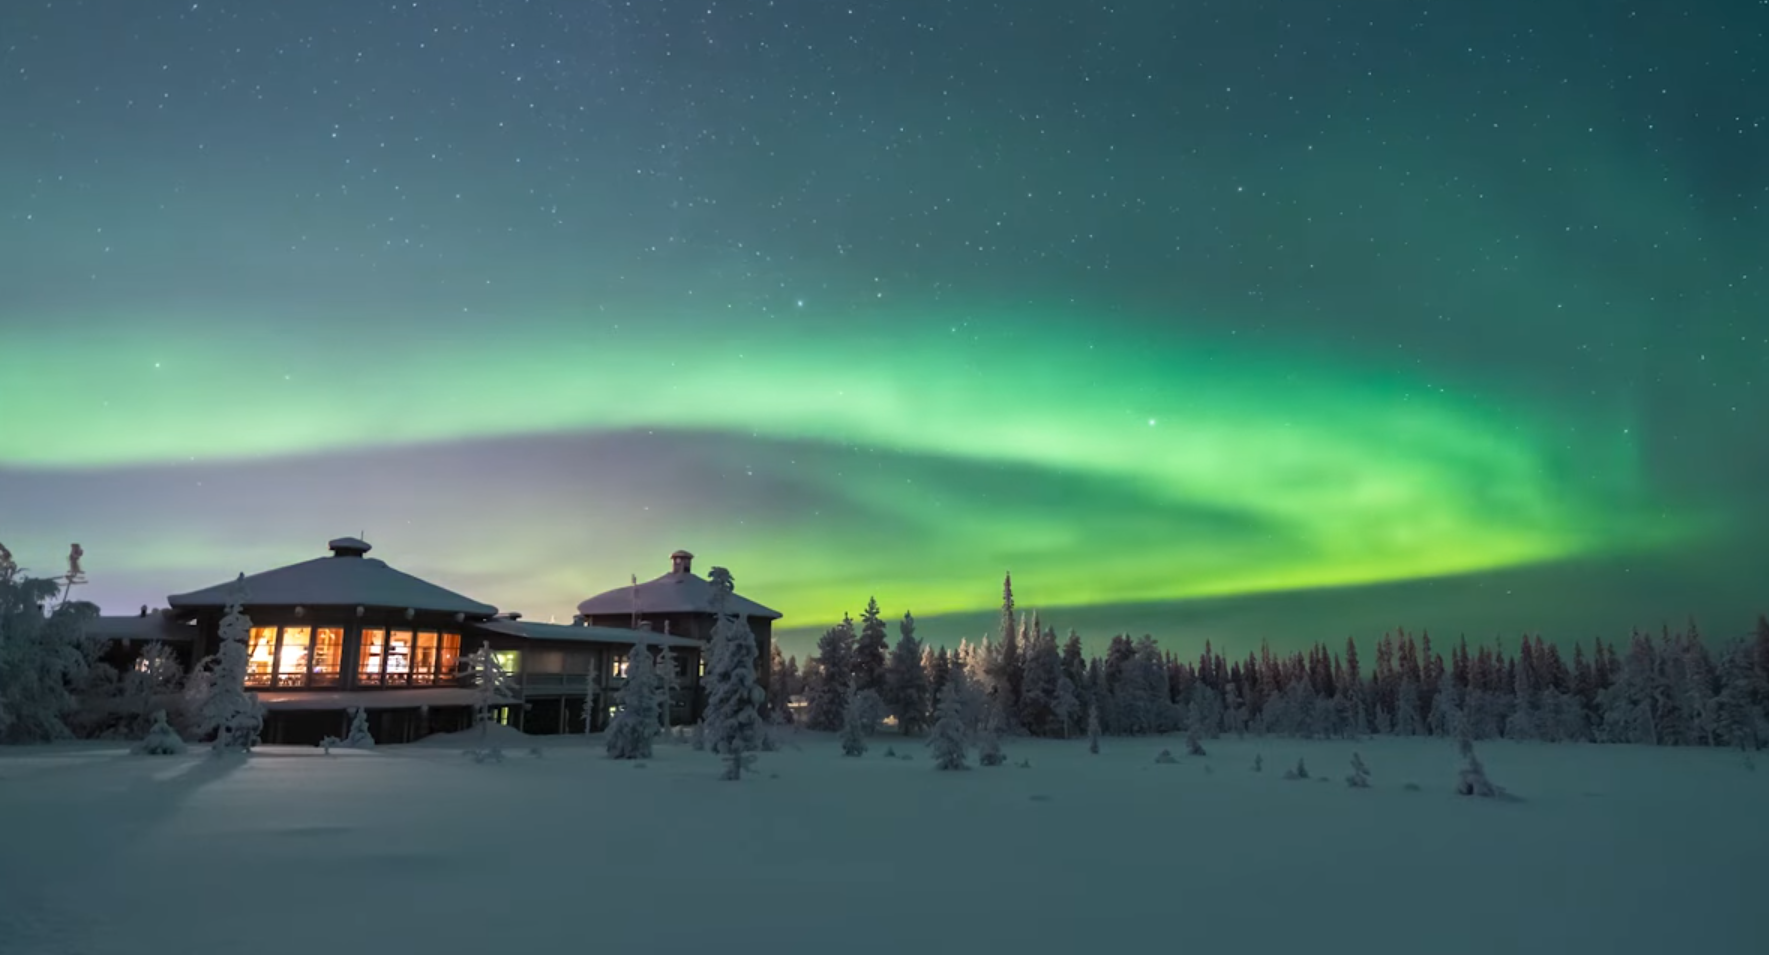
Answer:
(450, 656)
(374, 643)
(702, 666)
(617, 666)
(510, 661)
(260, 656)
(424, 663)
(328, 656)
(399, 656)
(291, 656)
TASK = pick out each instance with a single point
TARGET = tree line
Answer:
(1675, 689)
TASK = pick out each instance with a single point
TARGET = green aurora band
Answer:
(1206, 469)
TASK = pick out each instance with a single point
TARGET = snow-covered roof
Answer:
(154, 626)
(344, 579)
(676, 592)
(579, 634)
(369, 699)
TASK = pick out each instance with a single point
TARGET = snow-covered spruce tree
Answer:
(1194, 745)
(871, 650)
(1041, 672)
(853, 731)
(1446, 716)
(1068, 705)
(1406, 714)
(1471, 779)
(1234, 711)
(781, 678)
(989, 742)
(493, 687)
(41, 656)
(233, 715)
(1360, 773)
(905, 685)
(1300, 772)
(826, 689)
(947, 740)
(1737, 720)
(156, 679)
(593, 695)
(669, 683)
(733, 722)
(1093, 728)
(635, 724)
(161, 738)
(359, 736)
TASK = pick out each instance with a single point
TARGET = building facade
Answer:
(345, 631)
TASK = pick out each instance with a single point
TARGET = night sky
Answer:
(1182, 312)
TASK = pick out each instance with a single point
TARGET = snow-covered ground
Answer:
(1611, 850)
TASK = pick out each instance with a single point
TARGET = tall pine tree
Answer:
(870, 651)
(906, 684)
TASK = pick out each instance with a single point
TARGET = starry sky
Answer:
(1226, 320)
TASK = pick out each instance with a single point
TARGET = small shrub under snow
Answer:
(161, 738)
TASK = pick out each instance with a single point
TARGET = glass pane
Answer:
(399, 656)
(328, 656)
(260, 656)
(508, 660)
(450, 662)
(373, 643)
(424, 664)
(291, 659)
(617, 666)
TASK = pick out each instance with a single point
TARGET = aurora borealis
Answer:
(1164, 308)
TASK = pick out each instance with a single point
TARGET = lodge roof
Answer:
(146, 628)
(582, 634)
(675, 592)
(345, 579)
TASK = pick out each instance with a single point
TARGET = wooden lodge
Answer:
(344, 631)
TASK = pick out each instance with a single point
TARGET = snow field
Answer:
(1611, 849)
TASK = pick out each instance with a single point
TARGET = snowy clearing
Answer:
(1612, 849)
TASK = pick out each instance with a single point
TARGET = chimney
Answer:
(348, 547)
(681, 562)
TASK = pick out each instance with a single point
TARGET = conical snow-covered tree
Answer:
(948, 737)
(669, 683)
(733, 723)
(871, 651)
(1068, 705)
(905, 686)
(1360, 773)
(1446, 717)
(781, 678)
(161, 738)
(1738, 722)
(826, 685)
(853, 731)
(233, 715)
(145, 687)
(1406, 713)
(493, 688)
(1041, 672)
(41, 657)
(989, 742)
(1471, 779)
(635, 723)
(359, 736)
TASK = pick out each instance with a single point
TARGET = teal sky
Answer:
(1202, 320)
